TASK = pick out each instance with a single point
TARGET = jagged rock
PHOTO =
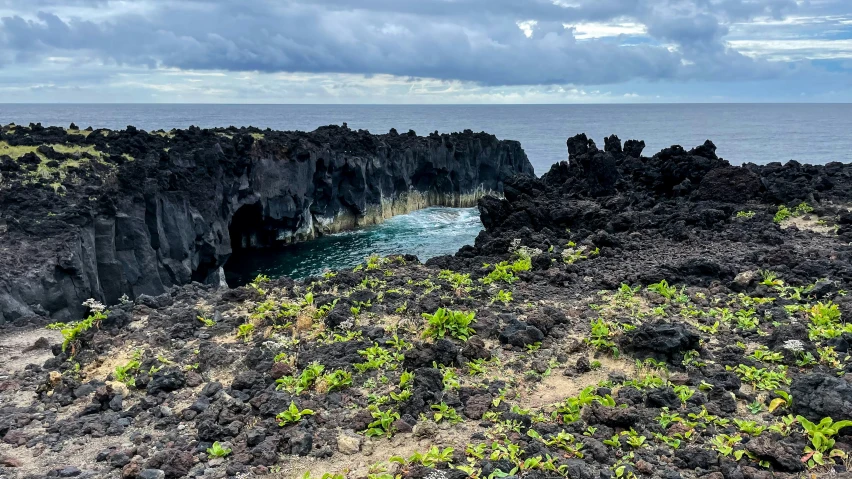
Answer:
(176, 213)
(174, 463)
(730, 184)
(817, 396)
(520, 334)
(784, 457)
(662, 341)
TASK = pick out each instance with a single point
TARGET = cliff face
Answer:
(104, 214)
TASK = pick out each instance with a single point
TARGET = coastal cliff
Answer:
(103, 214)
(671, 316)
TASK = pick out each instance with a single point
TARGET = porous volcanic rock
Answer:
(112, 213)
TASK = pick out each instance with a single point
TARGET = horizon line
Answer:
(431, 104)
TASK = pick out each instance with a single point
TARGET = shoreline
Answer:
(621, 316)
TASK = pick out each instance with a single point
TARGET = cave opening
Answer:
(249, 230)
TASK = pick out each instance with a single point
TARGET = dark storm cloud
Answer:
(468, 40)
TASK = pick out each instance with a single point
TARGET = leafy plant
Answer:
(782, 214)
(292, 415)
(745, 214)
(445, 412)
(449, 322)
(338, 379)
(504, 297)
(257, 283)
(206, 321)
(217, 450)
(821, 435)
(72, 331)
(763, 379)
(382, 424)
(600, 337)
(505, 271)
(663, 289)
(749, 427)
(303, 382)
(613, 442)
(783, 400)
(124, 374)
(245, 331)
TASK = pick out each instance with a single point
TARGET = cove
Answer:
(425, 233)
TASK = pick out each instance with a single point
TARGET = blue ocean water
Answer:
(427, 233)
(757, 133)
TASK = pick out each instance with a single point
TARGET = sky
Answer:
(425, 51)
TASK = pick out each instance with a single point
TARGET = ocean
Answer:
(756, 133)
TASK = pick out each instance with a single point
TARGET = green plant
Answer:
(770, 278)
(764, 379)
(663, 289)
(257, 283)
(634, 439)
(666, 418)
(505, 271)
(747, 319)
(826, 322)
(755, 407)
(476, 367)
(245, 331)
(303, 382)
(724, 444)
(72, 331)
(377, 357)
(749, 427)
(802, 209)
(600, 337)
(684, 392)
(460, 282)
(613, 442)
(338, 379)
(782, 214)
(382, 424)
(762, 353)
(292, 415)
(217, 450)
(449, 322)
(672, 442)
(445, 412)
(783, 400)
(821, 435)
(504, 297)
(206, 321)
(124, 374)
(745, 214)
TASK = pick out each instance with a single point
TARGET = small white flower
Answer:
(94, 305)
(437, 475)
(794, 345)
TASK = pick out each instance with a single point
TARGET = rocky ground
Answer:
(622, 316)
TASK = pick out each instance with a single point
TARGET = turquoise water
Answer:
(426, 233)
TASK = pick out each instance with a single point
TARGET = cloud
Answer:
(484, 43)
(469, 40)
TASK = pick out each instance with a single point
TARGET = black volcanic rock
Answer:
(155, 210)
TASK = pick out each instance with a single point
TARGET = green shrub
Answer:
(448, 322)
(217, 450)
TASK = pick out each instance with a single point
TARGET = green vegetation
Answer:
(446, 322)
(292, 415)
(217, 450)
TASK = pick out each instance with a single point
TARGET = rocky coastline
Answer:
(622, 316)
(107, 214)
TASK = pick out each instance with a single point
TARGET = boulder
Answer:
(817, 396)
